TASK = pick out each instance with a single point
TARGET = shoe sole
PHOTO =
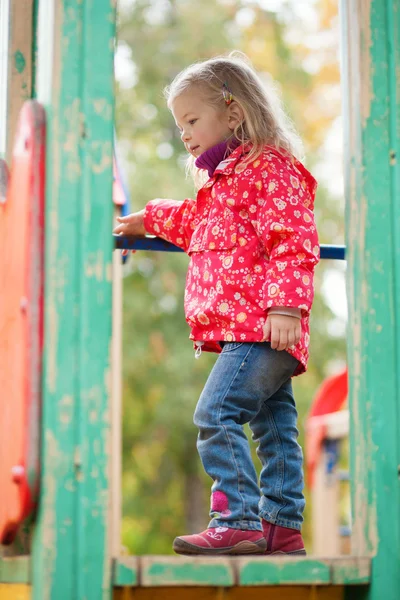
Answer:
(294, 553)
(245, 547)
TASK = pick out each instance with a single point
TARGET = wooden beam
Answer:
(371, 62)
(19, 63)
(72, 542)
(116, 407)
(325, 508)
(178, 571)
(10, 591)
(234, 593)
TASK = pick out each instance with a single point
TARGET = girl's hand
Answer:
(132, 224)
(282, 331)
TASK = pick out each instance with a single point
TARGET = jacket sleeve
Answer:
(172, 220)
(286, 228)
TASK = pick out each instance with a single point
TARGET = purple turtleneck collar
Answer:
(211, 158)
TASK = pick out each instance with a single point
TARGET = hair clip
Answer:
(227, 94)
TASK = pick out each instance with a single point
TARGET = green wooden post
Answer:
(371, 58)
(71, 556)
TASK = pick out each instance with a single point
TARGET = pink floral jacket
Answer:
(253, 244)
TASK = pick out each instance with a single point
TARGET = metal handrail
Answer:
(328, 251)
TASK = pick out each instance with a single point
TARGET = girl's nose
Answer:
(185, 136)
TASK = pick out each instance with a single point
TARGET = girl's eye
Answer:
(192, 121)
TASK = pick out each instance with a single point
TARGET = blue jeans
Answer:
(251, 383)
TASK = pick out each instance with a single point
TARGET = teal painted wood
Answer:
(126, 571)
(371, 42)
(161, 571)
(71, 556)
(16, 569)
(354, 570)
(185, 571)
(287, 571)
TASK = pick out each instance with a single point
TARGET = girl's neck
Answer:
(210, 159)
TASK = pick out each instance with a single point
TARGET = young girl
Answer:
(253, 246)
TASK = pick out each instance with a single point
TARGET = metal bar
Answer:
(160, 245)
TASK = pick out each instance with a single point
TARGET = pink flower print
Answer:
(219, 504)
(204, 320)
(273, 290)
(294, 181)
(229, 336)
(241, 317)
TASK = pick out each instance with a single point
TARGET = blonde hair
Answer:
(264, 123)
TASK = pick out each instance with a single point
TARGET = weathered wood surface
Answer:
(71, 549)
(16, 569)
(19, 63)
(371, 63)
(233, 593)
(176, 571)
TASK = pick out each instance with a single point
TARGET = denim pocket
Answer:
(229, 346)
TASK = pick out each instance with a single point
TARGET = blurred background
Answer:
(296, 42)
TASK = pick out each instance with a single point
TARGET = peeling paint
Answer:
(19, 61)
(97, 447)
(52, 331)
(78, 304)
(95, 265)
(366, 96)
(109, 272)
(66, 410)
(100, 156)
(49, 498)
(108, 377)
(103, 108)
(52, 323)
(72, 119)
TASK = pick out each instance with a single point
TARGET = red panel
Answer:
(21, 321)
(330, 397)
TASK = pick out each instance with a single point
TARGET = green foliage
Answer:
(164, 489)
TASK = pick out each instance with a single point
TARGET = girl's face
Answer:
(201, 125)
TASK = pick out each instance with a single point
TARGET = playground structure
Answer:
(61, 53)
(326, 427)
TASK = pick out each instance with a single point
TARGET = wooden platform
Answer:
(198, 578)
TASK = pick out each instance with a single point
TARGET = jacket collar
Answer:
(227, 166)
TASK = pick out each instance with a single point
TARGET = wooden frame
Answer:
(325, 492)
(371, 34)
(20, 63)
(72, 555)
(72, 542)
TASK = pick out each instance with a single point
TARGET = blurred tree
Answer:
(165, 492)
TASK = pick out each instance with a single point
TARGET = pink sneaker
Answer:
(221, 540)
(282, 540)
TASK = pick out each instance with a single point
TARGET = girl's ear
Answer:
(235, 115)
